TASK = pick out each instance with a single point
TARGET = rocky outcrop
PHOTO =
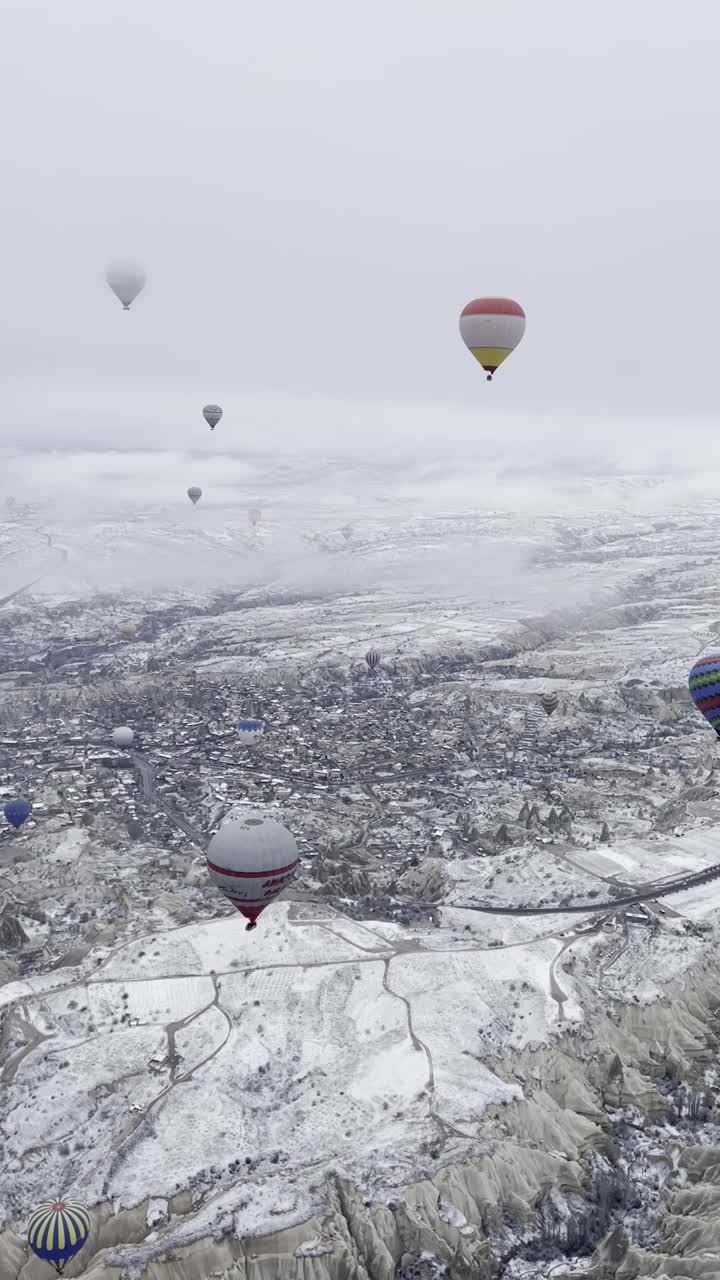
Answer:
(12, 935)
(427, 882)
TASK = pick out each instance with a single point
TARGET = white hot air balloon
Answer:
(251, 859)
(194, 493)
(491, 328)
(123, 736)
(126, 281)
(254, 516)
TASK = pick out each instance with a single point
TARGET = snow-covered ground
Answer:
(184, 1053)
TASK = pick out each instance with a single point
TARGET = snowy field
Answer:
(301, 1039)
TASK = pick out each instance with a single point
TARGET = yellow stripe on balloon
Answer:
(490, 357)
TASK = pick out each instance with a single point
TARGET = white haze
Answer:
(316, 189)
(442, 527)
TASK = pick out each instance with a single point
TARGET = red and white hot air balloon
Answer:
(491, 328)
(251, 859)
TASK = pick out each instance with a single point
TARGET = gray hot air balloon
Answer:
(126, 281)
(123, 736)
(194, 493)
(549, 703)
(254, 515)
(212, 413)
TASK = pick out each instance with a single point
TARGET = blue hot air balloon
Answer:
(704, 684)
(250, 730)
(17, 812)
(57, 1230)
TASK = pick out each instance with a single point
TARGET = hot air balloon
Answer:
(123, 736)
(128, 630)
(372, 657)
(704, 684)
(549, 702)
(57, 1230)
(250, 730)
(126, 281)
(17, 812)
(212, 413)
(194, 493)
(254, 515)
(251, 859)
(491, 328)
(346, 532)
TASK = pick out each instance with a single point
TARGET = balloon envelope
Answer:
(704, 685)
(123, 736)
(254, 515)
(126, 281)
(372, 657)
(212, 413)
(57, 1230)
(194, 493)
(550, 702)
(491, 328)
(128, 630)
(251, 859)
(251, 730)
(17, 812)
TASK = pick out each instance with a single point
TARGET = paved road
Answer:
(146, 775)
(14, 594)
(644, 893)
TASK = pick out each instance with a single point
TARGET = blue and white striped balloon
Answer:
(250, 730)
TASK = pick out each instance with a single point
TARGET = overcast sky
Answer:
(316, 188)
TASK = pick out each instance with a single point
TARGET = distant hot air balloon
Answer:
(126, 281)
(346, 532)
(212, 413)
(250, 730)
(194, 493)
(254, 516)
(123, 736)
(372, 657)
(57, 1230)
(251, 859)
(704, 684)
(128, 630)
(491, 328)
(17, 812)
(550, 702)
